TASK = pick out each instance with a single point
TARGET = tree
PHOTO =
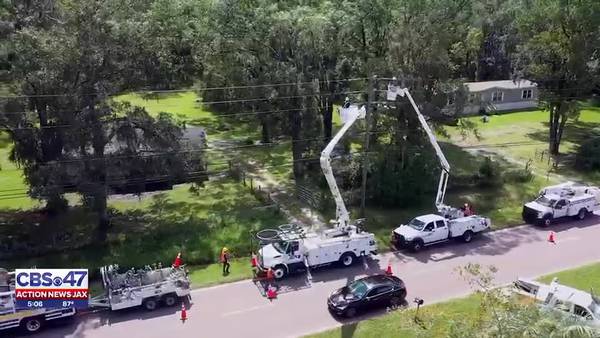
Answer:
(68, 135)
(560, 48)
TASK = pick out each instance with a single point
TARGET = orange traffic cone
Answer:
(271, 293)
(183, 313)
(253, 260)
(551, 238)
(270, 275)
(388, 270)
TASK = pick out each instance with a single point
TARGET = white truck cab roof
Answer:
(429, 218)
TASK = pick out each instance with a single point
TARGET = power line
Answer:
(150, 92)
(169, 178)
(229, 101)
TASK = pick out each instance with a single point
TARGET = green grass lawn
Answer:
(522, 136)
(582, 278)
(438, 317)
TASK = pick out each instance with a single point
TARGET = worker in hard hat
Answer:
(225, 257)
(178, 261)
(467, 210)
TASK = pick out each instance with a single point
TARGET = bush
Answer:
(488, 173)
(248, 141)
(588, 155)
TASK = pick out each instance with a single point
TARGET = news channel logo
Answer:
(51, 288)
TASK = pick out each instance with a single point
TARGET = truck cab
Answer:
(288, 254)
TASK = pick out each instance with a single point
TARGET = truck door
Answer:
(560, 208)
(293, 251)
(441, 231)
(429, 232)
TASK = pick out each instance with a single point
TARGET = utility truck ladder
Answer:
(392, 93)
(349, 115)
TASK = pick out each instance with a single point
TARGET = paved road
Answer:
(239, 310)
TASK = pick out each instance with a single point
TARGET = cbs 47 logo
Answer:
(52, 278)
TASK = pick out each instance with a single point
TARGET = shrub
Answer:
(588, 155)
(488, 173)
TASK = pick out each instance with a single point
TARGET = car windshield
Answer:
(358, 288)
(280, 246)
(416, 224)
(545, 201)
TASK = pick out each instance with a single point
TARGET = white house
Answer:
(500, 96)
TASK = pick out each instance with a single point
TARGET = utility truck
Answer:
(30, 320)
(556, 297)
(563, 200)
(146, 287)
(431, 229)
(290, 249)
(451, 222)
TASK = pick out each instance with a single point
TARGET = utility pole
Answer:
(370, 103)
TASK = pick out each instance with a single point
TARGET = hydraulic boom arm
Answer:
(445, 166)
(349, 116)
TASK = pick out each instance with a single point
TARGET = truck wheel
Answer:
(347, 259)
(279, 272)
(33, 324)
(150, 304)
(169, 300)
(581, 214)
(417, 245)
(467, 236)
(546, 220)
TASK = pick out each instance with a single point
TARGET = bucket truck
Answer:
(450, 222)
(290, 249)
(563, 200)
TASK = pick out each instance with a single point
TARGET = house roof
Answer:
(504, 84)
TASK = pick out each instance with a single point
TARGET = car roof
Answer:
(377, 280)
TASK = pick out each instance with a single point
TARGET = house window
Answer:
(497, 96)
(472, 97)
(527, 94)
(451, 99)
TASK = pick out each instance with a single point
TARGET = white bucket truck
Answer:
(563, 200)
(290, 249)
(451, 222)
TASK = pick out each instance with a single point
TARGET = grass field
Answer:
(523, 136)
(437, 318)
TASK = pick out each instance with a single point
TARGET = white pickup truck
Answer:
(431, 229)
(563, 200)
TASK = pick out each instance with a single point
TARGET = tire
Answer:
(581, 214)
(350, 312)
(467, 236)
(169, 300)
(546, 221)
(347, 259)
(150, 304)
(279, 272)
(417, 245)
(32, 325)
(395, 301)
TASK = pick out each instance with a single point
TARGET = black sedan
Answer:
(366, 293)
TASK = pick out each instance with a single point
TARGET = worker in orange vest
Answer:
(225, 257)
(178, 261)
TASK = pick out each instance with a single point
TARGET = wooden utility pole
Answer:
(370, 105)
